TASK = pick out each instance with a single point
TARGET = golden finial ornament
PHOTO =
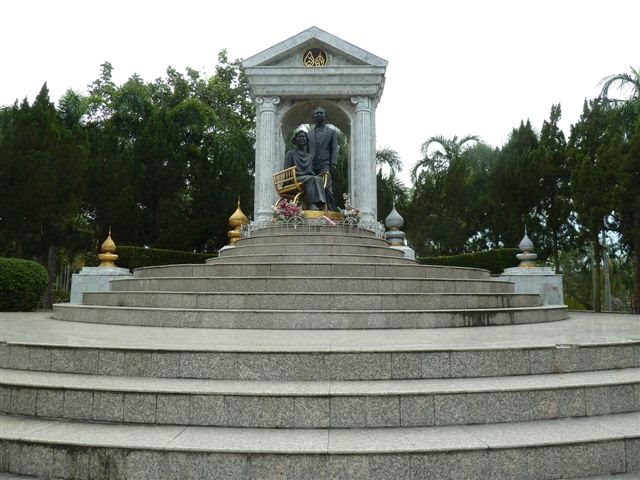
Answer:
(236, 220)
(107, 257)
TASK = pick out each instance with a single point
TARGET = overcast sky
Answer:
(456, 67)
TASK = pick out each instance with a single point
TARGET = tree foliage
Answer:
(43, 160)
(391, 191)
(169, 159)
(624, 145)
(553, 209)
(468, 197)
(164, 162)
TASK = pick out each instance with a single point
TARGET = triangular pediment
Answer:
(291, 52)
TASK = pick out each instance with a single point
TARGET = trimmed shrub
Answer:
(493, 260)
(22, 284)
(136, 257)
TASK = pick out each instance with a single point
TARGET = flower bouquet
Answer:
(351, 214)
(285, 210)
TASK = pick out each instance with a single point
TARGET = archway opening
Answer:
(301, 112)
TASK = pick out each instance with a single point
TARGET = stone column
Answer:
(267, 161)
(363, 168)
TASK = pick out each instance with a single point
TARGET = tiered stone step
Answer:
(313, 258)
(319, 404)
(449, 403)
(278, 290)
(314, 269)
(315, 357)
(327, 248)
(268, 236)
(299, 283)
(306, 319)
(302, 355)
(288, 300)
(583, 447)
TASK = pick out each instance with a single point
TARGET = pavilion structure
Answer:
(289, 80)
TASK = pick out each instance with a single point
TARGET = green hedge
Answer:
(22, 284)
(136, 257)
(493, 260)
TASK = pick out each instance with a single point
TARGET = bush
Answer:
(136, 257)
(493, 260)
(22, 284)
(60, 296)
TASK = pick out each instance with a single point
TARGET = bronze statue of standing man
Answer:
(323, 150)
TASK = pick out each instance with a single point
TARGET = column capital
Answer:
(362, 103)
(269, 104)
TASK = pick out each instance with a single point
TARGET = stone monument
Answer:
(173, 373)
(529, 278)
(288, 81)
(96, 279)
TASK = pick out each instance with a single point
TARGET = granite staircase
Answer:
(312, 353)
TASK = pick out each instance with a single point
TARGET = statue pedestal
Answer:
(540, 280)
(94, 279)
(408, 251)
(224, 249)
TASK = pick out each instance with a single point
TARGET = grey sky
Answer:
(455, 67)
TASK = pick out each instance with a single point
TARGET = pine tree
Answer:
(593, 177)
(513, 188)
(552, 170)
(42, 168)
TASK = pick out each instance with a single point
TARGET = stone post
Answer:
(267, 161)
(362, 183)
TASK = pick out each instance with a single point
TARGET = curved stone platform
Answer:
(323, 363)
(288, 277)
(436, 391)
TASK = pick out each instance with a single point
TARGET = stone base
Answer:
(94, 279)
(408, 251)
(314, 214)
(225, 248)
(540, 280)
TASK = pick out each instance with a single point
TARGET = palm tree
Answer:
(436, 161)
(625, 81)
(626, 193)
(390, 158)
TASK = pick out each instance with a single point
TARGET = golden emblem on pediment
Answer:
(314, 57)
